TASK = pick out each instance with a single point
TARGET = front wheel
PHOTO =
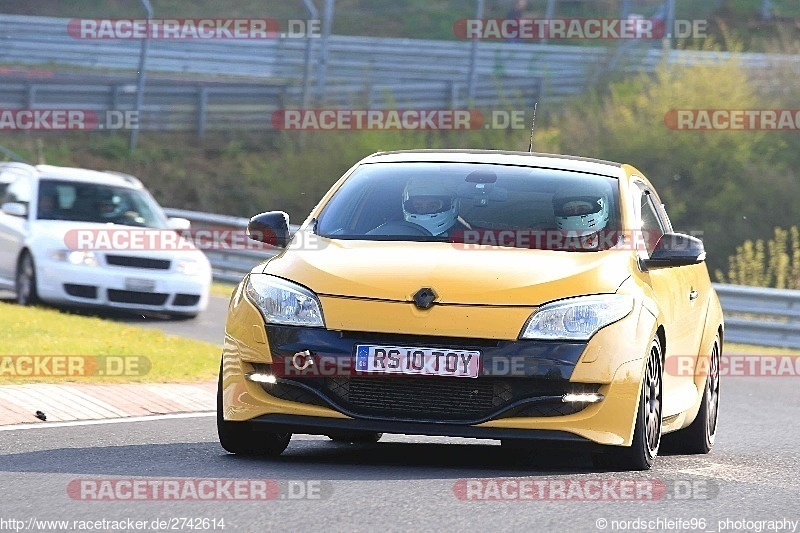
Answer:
(699, 436)
(239, 438)
(642, 452)
(26, 281)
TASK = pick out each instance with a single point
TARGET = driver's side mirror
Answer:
(676, 249)
(270, 228)
(15, 209)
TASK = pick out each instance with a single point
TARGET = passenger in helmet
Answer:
(581, 208)
(430, 204)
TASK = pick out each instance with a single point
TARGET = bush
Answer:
(774, 264)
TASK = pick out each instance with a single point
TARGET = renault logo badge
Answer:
(424, 298)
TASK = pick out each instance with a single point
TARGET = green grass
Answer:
(50, 332)
(222, 289)
(748, 349)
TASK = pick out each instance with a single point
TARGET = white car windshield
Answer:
(92, 202)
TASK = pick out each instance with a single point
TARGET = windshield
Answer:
(92, 202)
(473, 203)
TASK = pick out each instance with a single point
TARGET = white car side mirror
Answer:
(179, 223)
(15, 209)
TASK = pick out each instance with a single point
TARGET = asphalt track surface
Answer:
(749, 482)
(410, 483)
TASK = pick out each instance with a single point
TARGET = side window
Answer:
(19, 191)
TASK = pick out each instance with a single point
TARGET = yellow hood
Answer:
(488, 276)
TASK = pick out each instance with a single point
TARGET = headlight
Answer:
(190, 267)
(576, 318)
(75, 257)
(284, 302)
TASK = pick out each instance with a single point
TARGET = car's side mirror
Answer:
(270, 228)
(15, 209)
(178, 223)
(676, 249)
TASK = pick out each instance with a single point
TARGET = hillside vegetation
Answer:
(729, 186)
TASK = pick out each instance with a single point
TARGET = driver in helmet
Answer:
(431, 205)
(581, 212)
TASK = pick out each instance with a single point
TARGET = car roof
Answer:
(84, 175)
(501, 157)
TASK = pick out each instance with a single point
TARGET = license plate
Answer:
(140, 285)
(418, 361)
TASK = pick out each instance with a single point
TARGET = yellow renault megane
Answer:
(529, 298)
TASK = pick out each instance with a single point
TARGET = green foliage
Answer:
(716, 183)
(774, 264)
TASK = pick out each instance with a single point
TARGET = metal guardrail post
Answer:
(142, 73)
(313, 14)
(473, 57)
(202, 111)
(322, 77)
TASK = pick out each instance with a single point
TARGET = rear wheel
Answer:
(355, 437)
(698, 437)
(239, 438)
(26, 281)
(642, 452)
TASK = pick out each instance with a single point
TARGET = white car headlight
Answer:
(190, 267)
(75, 257)
(284, 302)
(576, 318)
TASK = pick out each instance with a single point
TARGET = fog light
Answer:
(258, 377)
(584, 397)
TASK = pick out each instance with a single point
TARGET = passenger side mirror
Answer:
(178, 223)
(676, 249)
(270, 228)
(15, 209)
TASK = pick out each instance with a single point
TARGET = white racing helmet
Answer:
(583, 207)
(429, 204)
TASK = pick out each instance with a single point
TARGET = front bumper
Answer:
(612, 361)
(115, 287)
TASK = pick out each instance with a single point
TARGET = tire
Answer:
(25, 282)
(699, 436)
(642, 452)
(356, 437)
(240, 439)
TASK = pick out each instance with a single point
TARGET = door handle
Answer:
(693, 295)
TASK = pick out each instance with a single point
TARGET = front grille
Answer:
(426, 398)
(136, 297)
(81, 291)
(138, 262)
(421, 397)
(185, 300)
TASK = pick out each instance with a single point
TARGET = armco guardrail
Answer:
(761, 316)
(753, 315)
(199, 107)
(566, 70)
